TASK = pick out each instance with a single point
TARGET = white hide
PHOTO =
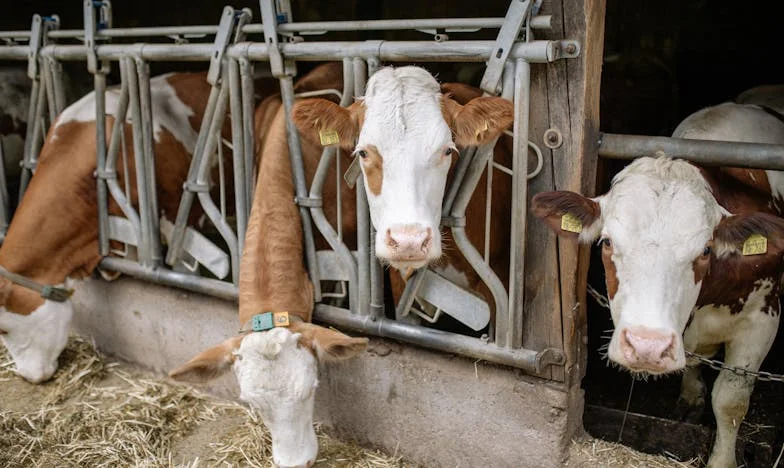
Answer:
(659, 215)
(35, 341)
(403, 119)
(168, 112)
(278, 376)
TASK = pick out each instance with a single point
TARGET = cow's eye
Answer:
(362, 154)
(606, 242)
(449, 151)
(706, 251)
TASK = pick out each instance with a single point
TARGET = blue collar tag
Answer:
(269, 320)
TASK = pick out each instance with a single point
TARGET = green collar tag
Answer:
(269, 320)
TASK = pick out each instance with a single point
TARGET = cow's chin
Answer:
(405, 265)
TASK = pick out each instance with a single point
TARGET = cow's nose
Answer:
(409, 241)
(648, 349)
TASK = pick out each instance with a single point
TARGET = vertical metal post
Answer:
(519, 209)
(363, 213)
(376, 270)
(238, 150)
(4, 205)
(35, 112)
(145, 251)
(150, 187)
(248, 131)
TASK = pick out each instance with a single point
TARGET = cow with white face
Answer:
(692, 259)
(405, 133)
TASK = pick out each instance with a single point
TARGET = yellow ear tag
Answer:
(756, 244)
(329, 137)
(570, 223)
(280, 319)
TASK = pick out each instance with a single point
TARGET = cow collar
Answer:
(267, 321)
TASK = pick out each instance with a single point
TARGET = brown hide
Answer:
(54, 233)
(272, 272)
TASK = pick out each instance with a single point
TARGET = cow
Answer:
(53, 237)
(405, 132)
(692, 261)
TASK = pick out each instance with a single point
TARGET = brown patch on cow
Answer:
(734, 230)
(551, 206)
(610, 272)
(313, 116)
(479, 121)
(373, 165)
(756, 179)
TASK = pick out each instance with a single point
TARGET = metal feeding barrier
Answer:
(232, 58)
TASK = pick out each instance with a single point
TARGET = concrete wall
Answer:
(435, 409)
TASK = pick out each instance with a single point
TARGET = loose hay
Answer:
(592, 453)
(93, 413)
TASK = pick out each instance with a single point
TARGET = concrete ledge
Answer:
(435, 409)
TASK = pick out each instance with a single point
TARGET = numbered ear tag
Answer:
(281, 319)
(756, 244)
(329, 137)
(269, 320)
(570, 223)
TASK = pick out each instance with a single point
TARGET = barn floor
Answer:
(100, 412)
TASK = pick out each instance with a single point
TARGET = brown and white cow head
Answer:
(405, 133)
(277, 371)
(660, 230)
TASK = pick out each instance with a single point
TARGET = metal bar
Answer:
(142, 190)
(463, 161)
(473, 174)
(118, 135)
(298, 171)
(514, 326)
(18, 52)
(56, 70)
(145, 101)
(215, 288)
(525, 359)
(99, 84)
(248, 131)
(186, 201)
(376, 270)
(238, 151)
(363, 213)
(47, 80)
(709, 153)
(4, 205)
(30, 152)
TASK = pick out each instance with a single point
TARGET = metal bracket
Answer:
(195, 187)
(97, 16)
(519, 11)
(39, 30)
(452, 221)
(549, 357)
(222, 39)
(272, 13)
(309, 202)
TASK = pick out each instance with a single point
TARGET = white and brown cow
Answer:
(682, 268)
(405, 132)
(53, 238)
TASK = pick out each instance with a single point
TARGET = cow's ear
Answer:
(749, 234)
(210, 363)
(324, 122)
(479, 121)
(328, 344)
(569, 214)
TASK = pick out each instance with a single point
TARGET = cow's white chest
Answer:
(776, 181)
(715, 324)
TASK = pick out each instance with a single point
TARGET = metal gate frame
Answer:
(231, 62)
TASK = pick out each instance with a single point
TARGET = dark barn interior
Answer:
(662, 61)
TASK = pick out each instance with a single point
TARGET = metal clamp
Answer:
(95, 21)
(309, 202)
(453, 221)
(195, 187)
(222, 39)
(516, 16)
(39, 30)
(271, 16)
(105, 175)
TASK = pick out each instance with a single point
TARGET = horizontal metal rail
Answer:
(706, 152)
(447, 24)
(217, 288)
(430, 51)
(525, 359)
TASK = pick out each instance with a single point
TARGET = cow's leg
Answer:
(691, 401)
(731, 392)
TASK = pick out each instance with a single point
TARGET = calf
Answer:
(692, 260)
(405, 132)
(53, 238)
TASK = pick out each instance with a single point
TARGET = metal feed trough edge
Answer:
(231, 78)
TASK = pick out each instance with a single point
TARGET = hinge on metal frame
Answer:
(223, 38)
(516, 17)
(549, 357)
(272, 13)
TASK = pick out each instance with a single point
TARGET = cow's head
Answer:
(33, 330)
(405, 133)
(277, 371)
(660, 231)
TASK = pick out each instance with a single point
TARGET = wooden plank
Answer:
(542, 326)
(573, 94)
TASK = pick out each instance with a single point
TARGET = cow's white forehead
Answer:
(660, 202)
(403, 105)
(273, 364)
